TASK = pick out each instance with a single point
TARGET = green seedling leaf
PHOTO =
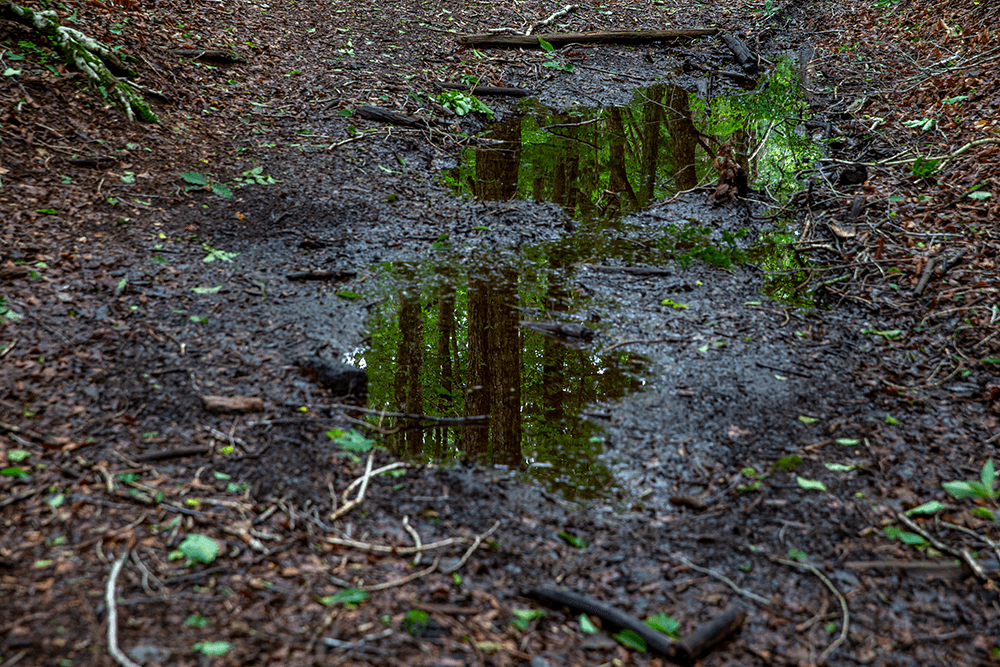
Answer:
(346, 596)
(798, 554)
(807, 420)
(573, 540)
(206, 290)
(350, 296)
(196, 621)
(810, 484)
(629, 639)
(984, 513)
(10, 71)
(906, 537)
(220, 255)
(990, 360)
(17, 455)
(830, 628)
(415, 622)
(980, 195)
(212, 648)
(352, 441)
(890, 420)
(194, 178)
(788, 463)
(673, 304)
(840, 467)
(13, 471)
(665, 624)
(890, 334)
(222, 190)
(587, 625)
(954, 100)
(524, 616)
(848, 442)
(200, 548)
(961, 489)
(926, 508)
(989, 475)
(546, 46)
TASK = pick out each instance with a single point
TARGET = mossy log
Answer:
(94, 60)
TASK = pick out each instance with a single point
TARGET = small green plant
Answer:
(212, 648)
(198, 181)
(351, 441)
(924, 168)
(349, 597)
(522, 617)
(984, 488)
(462, 103)
(196, 548)
(415, 622)
(553, 60)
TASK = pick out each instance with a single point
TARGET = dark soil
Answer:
(757, 447)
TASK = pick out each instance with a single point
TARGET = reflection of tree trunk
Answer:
(409, 364)
(618, 175)
(445, 336)
(652, 121)
(497, 166)
(505, 376)
(475, 441)
(683, 139)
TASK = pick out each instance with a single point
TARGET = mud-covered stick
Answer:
(681, 652)
(709, 634)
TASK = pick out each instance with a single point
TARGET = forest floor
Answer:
(738, 444)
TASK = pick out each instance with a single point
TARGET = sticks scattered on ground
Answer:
(110, 599)
(724, 579)
(845, 623)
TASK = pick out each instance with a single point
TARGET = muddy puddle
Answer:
(505, 354)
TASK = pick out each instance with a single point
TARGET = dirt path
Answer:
(673, 427)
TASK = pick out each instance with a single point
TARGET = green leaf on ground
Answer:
(926, 508)
(573, 540)
(629, 639)
(200, 548)
(587, 625)
(810, 484)
(668, 625)
(194, 178)
(212, 648)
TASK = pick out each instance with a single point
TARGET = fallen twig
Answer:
(110, 599)
(840, 598)
(641, 341)
(416, 538)
(475, 545)
(555, 15)
(962, 555)
(363, 481)
(724, 579)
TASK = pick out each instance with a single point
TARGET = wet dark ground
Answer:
(662, 440)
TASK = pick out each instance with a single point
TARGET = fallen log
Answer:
(560, 39)
(496, 91)
(97, 62)
(232, 403)
(683, 651)
(743, 54)
(386, 116)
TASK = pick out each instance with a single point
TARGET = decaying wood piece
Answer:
(232, 403)
(560, 39)
(744, 56)
(207, 54)
(386, 116)
(94, 60)
(487, 91)
(684, 651)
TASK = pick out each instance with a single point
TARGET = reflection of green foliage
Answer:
(782, 268)
(600, 164)
(694, 242)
